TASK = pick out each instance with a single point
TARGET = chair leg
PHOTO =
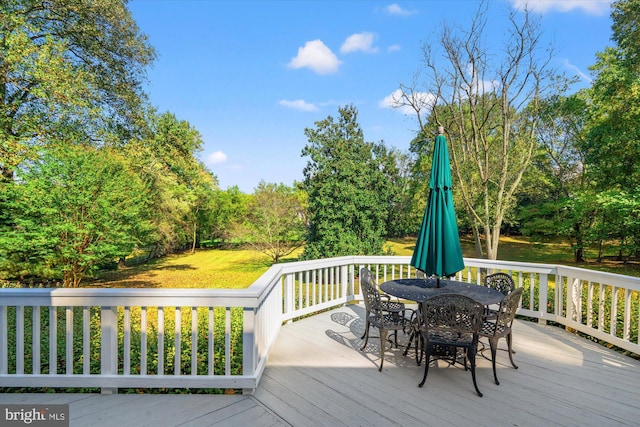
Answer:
(419, 348)
(426, 365)
(383, 339)
(472, 362)
(510, 350)
(412, 335)
(493, 343)
(365, 336)
(366, 329)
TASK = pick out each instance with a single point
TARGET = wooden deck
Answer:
(316, 376)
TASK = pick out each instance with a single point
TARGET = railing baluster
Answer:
(614, 311)
(194, 341)
(160, 340)
(210, 344)
(626, 334)
(35, 340)
(126, 325)
(86, 341)
(177, 342)
(53, 340)
(69, 340)
(601, 308)
(590, 304)
(20, 340)
(143, 340)
(227, 341)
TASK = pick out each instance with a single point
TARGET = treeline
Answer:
(91, 174)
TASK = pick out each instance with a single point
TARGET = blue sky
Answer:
(251, 75)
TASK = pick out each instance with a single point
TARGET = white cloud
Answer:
(395, 9)
(592, 7)
(316, 56)
(359, 41)
(423, 100)
(298, 104)
(583, 76)
(216, 157)
(394, 48)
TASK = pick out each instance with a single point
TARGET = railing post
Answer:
(289, 280)
(250, 345)
(109, 345)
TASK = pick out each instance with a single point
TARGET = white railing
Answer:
(221, 338)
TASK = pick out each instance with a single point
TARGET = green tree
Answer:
(487, 101)
(275, 221)
(228, 208)
(612, 145)
(557, 196)
(346, 186)
(178, 186)
(72, 210)
(69, 70)
(403, 216)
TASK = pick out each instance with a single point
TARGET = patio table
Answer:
(421, 289)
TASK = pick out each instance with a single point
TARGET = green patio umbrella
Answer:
(437, 250)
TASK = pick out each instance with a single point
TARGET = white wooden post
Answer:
(250, 344)
(542, 298)
(289, 282)
(109, 345)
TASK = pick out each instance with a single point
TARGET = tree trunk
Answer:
(478, 242)
(193, 246)
(578, 254)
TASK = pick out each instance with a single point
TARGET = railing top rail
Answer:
(254, 294)
(512, 265)
(630, 282)
(128, 296)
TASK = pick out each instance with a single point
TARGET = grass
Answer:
(518, 248)
(207, 268)
(239, 268)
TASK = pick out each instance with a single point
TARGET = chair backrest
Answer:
(369, 290)
(453, 313)
(501, 282)
(508, 308)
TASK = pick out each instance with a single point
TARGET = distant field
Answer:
(239, 268)
(208, 268)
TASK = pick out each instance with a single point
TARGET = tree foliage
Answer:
(69, 70)
(73, 210)
(612, 145)
(178, 186)
(347, 189)
(275, 221)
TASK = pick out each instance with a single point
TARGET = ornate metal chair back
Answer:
(501, 282)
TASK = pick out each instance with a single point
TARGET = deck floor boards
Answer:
(317, 376)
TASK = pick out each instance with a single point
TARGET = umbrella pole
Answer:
(438, 282)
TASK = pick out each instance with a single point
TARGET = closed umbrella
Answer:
(437, 250)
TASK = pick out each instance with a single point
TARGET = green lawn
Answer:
(208, 268)
(239, 268)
